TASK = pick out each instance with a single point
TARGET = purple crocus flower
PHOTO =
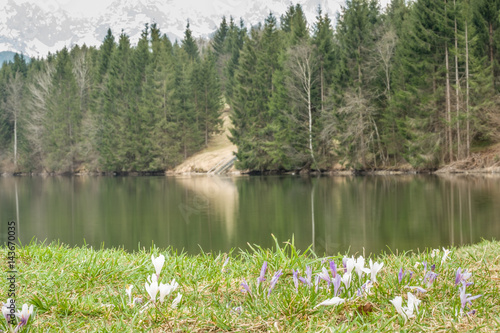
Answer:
(324, 275)
(466, 298)
(336, 284)
(433, 267)
(261, 278)
(274, 280)
(401, 275)
(418, 289)
(411, 274)
(308, 279)
(430, 277)
(244, 284)
(333, 268)
(296, 279)
(462, 276)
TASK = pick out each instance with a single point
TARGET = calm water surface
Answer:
(332, 214)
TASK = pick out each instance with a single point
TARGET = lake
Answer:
(188, 213)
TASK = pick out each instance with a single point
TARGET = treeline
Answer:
(418, 83)
(113, 108)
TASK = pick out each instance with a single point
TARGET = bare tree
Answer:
(360, 129)
(385, 51)
(14, 105)
(301, 64)
(40, 91)
(81, 71)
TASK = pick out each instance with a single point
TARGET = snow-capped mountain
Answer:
(34, 27)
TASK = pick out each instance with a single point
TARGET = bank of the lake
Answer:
(83, 289)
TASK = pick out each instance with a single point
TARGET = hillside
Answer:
(486, 160)
(219, 149)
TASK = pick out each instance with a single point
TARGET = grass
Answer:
(82, 289)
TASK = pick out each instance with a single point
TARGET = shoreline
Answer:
(337, 172)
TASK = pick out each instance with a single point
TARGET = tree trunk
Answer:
(491, 53)
(456, 86)
(467, 87)
(448, 105)
(15, 140)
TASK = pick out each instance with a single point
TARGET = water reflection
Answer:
(331, 214)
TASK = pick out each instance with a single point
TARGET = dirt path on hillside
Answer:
(219, 150)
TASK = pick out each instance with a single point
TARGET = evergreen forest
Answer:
(417, 83)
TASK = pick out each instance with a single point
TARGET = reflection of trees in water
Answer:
(407, 212)
(215, 194)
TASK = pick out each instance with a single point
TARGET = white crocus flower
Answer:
(176, 301)
(128, 290)
(374, 269)
(406, 311)
(445, 255)
(413, 302)
(158, 263)
(24, 315)
(346, 279)
(349, 264)
(167, 289)
(332, 301)
(359, 267)
(6, 311)
(152, 287)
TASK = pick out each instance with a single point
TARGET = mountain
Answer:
(6, 56)
(36, 28)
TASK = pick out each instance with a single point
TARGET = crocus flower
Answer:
(325, 275)
(346, 279)
(152, 287)
(374, 269)
(445, 255)
(224, 264)
(418, 289)
(308, 279)
(359, 266)
(6, 310)
(176, 301)
(244, 284)
(461, 276)
(158, 264)
(466, 298)
(128, 290)
(430, 277)
(406, 311)
(336, 284)
(296, 279)
(401, 275)
(24, 315)
(434, 253)
(413, 302)
(274, 280)
(364, 288)
(261, 278)
(349, 264)
(332, 301)
(167, 289)
(333, 268)
(433, 267)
